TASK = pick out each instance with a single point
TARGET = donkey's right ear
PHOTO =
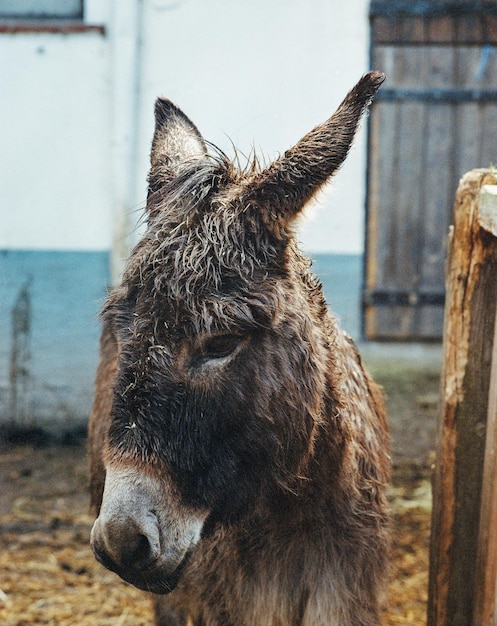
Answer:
(176, 141)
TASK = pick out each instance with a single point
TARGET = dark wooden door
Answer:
(434, 119)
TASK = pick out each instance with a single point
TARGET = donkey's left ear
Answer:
(176, 141)
(282, 190)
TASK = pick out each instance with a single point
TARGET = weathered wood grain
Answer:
(486, 573)
(419, 148)
(466, 386)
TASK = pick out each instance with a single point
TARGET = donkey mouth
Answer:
(156, 578)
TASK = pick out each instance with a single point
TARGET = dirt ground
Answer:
(49, 576)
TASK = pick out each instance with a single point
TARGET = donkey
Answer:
(239, 451)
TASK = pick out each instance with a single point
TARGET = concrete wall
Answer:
(55, 222)
(76, 124)
(54, 124)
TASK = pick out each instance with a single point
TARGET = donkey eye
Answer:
(220, 346)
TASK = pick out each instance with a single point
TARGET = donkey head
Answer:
(222, 345)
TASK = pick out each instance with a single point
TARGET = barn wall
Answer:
(76, 124)
(55, 223)
(54, 124)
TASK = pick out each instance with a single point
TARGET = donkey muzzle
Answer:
(142, 533)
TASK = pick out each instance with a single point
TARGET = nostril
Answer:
(137, 552)
(122, 541)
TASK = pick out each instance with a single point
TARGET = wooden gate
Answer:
(434, 119)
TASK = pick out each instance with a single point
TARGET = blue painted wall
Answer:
(341, 275)
(49, 330)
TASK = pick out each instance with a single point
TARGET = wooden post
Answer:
(463, 551)
(486, 573)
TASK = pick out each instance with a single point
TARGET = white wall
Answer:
(77, 110)
(55, 188)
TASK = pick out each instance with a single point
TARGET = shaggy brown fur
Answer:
(243, 448)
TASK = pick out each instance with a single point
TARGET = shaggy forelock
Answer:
(205, 253)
